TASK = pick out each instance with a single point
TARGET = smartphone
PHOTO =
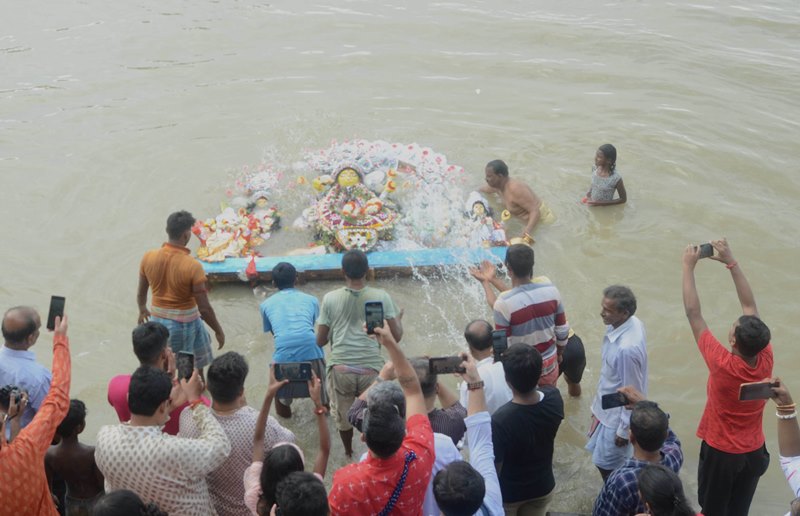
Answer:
(706, 250)
(373, 311)
(615, 399)
(293, 371)
(56, 310)
(184, 362)
(756, 391)
(499, 344)
(445, 365)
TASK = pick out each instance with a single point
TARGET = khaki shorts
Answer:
(343, 389)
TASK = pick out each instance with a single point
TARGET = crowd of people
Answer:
(188, 443)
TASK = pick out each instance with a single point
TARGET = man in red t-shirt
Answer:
(732, 455)
(394, 476)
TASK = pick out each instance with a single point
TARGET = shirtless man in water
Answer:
(518, 197)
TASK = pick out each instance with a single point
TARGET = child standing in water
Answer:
(605, 179)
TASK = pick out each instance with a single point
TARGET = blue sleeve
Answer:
(265, 318)
(316, 309)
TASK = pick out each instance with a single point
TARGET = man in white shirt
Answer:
(624, 356)
(478, 335)
(170, 471)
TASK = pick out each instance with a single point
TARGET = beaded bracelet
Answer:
(793, 415)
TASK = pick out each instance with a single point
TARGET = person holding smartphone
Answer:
(733, 456)
(355, 358)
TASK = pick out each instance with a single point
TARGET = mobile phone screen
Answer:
(293, 371)
(184, 362)
(499, 343)
(756, 391)
(615, 399)
(445, 365)
(373, 311)
(56, 310)
(706, 250)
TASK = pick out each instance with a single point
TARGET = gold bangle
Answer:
(790, 406)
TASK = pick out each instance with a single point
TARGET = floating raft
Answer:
(384, 264)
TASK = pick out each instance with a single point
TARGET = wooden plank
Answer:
(385, 264)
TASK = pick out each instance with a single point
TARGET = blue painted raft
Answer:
(383, 263)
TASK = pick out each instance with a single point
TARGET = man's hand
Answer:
(193, 387)
(486, 272)
(620, 442)
(632, 394)
(274, 385)
(315, 390)
(61, 326)
(15, 409)
(387, 371)
(171, 365)
(723, 253)
(220, 339)
(780, 394)
(144, 315)
(690, 256)
(384, 336)
(470, 374)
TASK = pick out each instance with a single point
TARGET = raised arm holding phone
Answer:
(731, 461)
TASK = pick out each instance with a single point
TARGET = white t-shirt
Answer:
(495, 388)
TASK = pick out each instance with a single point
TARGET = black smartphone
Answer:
(499, 344)
(373, 312)
(615, 399)
(56, 310)
(756, 391)
(706, 250)
(445, 365)
(293, 371)
(184, 362)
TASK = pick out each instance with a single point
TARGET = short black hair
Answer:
(124, 502)
(478, 334)
(649, 425)
(178, 223)
(279, 462)
(20, 334)
(522, 365)
(499, 167)
(662, 490)
(302, 494)
(752, 335)
(226, 376)
(519, 258)
(149, 388)
(427, 379)
(622, 297)
(76, 416)
(355, 264)
(149, 341)
(384, 429)
(459, 489)
(284, 275)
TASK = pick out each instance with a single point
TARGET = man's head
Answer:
(478, 335)
(21, 327)
(427, 379)
(495, 173)
(749, 335)
(301, 494)
(75, 420)
(618, 305)
(387, 393)
(149, 392)
(519, 260)
(522, 365)
(226, 376)
(284, 275)
(355, 264)
(649, 425)
(459, 489)
(178, 224)
(383, 429)
(150, 343)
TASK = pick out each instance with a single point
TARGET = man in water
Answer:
(180, 295)
(518, 198)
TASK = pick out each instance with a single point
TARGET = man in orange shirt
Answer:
(180, 294)
(23, 484)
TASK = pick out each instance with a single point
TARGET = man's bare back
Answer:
(74, 463)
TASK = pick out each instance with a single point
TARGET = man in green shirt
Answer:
(355, 358)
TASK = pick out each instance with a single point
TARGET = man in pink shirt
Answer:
(151, 347)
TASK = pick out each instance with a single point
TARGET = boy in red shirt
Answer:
(732, 455)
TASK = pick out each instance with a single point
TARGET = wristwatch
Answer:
(474, 386)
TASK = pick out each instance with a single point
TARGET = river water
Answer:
(113, 115)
